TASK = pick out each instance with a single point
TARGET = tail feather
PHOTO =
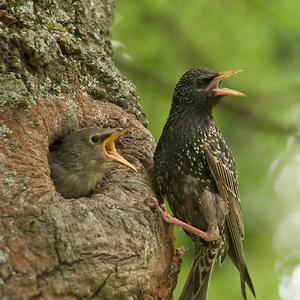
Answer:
(238, 259)
(196, 285)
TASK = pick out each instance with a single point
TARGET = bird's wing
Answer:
(227, 186)
(226, 182)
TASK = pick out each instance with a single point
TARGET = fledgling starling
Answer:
(82, 158)
(196, 172)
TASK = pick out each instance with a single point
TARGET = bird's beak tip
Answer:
(109, 148)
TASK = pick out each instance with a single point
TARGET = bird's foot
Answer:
(207, 236)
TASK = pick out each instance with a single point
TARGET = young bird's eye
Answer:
(95, 139)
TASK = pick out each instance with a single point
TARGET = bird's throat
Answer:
(190, 118)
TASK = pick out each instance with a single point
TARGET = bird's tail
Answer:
(237, 257)
(196, 285)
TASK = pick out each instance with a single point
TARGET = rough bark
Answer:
(56, 75)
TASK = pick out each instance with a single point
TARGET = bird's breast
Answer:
(180, 155)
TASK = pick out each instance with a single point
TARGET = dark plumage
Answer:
(82, 158)
(196, 172)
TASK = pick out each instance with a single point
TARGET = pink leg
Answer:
(189, 228)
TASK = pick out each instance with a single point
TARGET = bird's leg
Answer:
(214, 212)
(207, 236)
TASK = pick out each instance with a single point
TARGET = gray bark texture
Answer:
(57, 74)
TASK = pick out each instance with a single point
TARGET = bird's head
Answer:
(199, 89)
(92, 149)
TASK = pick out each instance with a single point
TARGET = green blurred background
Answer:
(155, 41)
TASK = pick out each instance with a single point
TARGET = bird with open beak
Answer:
(195, 170)
(82, 158)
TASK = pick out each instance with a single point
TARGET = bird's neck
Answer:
(190, 118)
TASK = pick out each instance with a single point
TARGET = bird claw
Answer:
(152, 202)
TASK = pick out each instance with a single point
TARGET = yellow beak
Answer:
(214, 84)
(109, 148)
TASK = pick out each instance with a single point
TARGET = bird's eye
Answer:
(95, 139)
(202, 82)
(198, 82)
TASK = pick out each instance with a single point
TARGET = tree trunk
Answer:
(56, 75)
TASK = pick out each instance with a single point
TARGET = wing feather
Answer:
(227, 186)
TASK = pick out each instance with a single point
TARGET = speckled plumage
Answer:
(196, 172)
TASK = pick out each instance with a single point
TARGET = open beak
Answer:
(214, 85)
(109, 148)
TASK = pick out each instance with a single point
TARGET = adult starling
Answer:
(196, 172)
(82, 158)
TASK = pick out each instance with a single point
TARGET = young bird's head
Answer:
(91, 148)
(82, 158)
